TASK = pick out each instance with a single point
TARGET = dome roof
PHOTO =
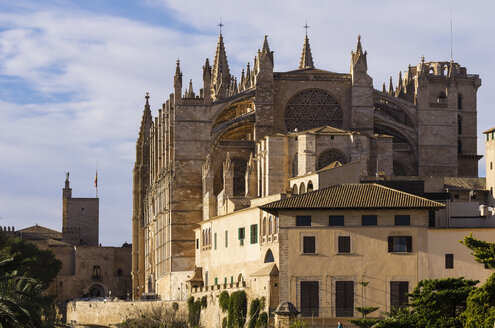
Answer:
(287, 308)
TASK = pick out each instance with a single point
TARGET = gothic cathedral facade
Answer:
(204, 152)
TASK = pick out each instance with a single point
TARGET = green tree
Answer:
(439, 302)
(21, 300)
(433, 303)
(480, 307)
(28, 260)
(237, 309)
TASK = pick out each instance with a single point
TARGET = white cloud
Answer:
(93, 70)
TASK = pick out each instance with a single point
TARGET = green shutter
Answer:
(254, 233)
(226, 241)
(215, 241)
(216, 280)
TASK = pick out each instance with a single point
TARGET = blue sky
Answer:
(73, 75)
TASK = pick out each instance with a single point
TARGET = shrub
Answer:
(223, 300)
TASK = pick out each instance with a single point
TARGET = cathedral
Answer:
(223, 153)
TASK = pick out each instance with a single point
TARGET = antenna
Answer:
(451, 55)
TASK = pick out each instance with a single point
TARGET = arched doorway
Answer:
(96, 291)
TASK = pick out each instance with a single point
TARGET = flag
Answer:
(96, 179)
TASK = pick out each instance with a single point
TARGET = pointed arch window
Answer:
(270, 225)
(239, 176)
(269, 256)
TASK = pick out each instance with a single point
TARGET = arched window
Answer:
(459, 101)
(270, 225)
(209, 236)
(446, 70)
(264, 227)
(203, 240)
(294, 189)
(329, 156)
(431, 71)
(276, 224)
(302, 188)
(310, 186)
(269, 256)
(312, 108)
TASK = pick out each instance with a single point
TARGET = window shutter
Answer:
(409, 244)
(390, 244)
(394, 294)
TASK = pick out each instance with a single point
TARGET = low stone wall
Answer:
(110, 313)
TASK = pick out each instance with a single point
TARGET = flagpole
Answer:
(96, 178)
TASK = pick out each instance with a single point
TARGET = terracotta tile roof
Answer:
(489, 130)
(353, 195)
(456, 183)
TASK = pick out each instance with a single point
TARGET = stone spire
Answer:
(384, 89)
(220, 75)
(355, 56)
(146, 121)
(178, 75)
(190, 91)
(306, 57)
(242, 82)
(247, 81)
(391, 87)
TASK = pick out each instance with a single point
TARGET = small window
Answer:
(402, 220)
(400, 244)
(215, 240)
(459, 101)
(491, 165)
(216, 280)
(254, 233)
(231, 279)
(303, 221)
(226, 240)
(241, 233)
(398, 293)
(368, 220)
(449, 261)
(270, 225)
(309, 245)
(431, 218)
(197, 243)
(344, 244)
(336, 220)
(120, 272)
(225, 280)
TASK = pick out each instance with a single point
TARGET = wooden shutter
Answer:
(309, 244)
(310, 298)
(398, 293)
(409, 244)
(344, 298)
(390, 244)
(344, 244)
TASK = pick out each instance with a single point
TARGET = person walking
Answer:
(339, 325)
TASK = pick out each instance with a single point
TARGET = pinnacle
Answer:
(306, 56)
(266, 47)
(359, 48)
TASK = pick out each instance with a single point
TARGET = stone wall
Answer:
(112, 313)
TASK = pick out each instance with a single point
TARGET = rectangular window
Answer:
(398, 293)
(344, 244)
(254, 233)
(309, 244)
(216, 280)
(310, 298)
(197, 243)
(303, 221)
(368, 220)
(400, 244)
(231, 279)
(215, 240)
(225, 280)
(402, 220)
(241, 235)
(344, 298)
(431, 218)
(449, 261)
(336, 220)
(226, 240)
